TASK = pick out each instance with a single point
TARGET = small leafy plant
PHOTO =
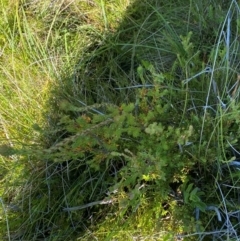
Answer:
(145, 143)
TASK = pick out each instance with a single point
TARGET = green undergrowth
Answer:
(138, 135)
(39, 40)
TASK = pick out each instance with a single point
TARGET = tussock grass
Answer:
(39, 41)
(59, 59)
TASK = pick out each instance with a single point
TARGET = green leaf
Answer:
(148, 66)
(128, 108)
(201, 205)
(140, 72)
(154, 129)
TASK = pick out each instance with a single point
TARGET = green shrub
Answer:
(154, 144)
(135, 150)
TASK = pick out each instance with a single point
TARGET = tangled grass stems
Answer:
(6, 219)
(172, 99)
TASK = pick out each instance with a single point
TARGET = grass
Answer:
(68, 65)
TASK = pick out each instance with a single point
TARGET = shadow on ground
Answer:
(150, 31)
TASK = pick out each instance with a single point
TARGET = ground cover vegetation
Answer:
(119, 120)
